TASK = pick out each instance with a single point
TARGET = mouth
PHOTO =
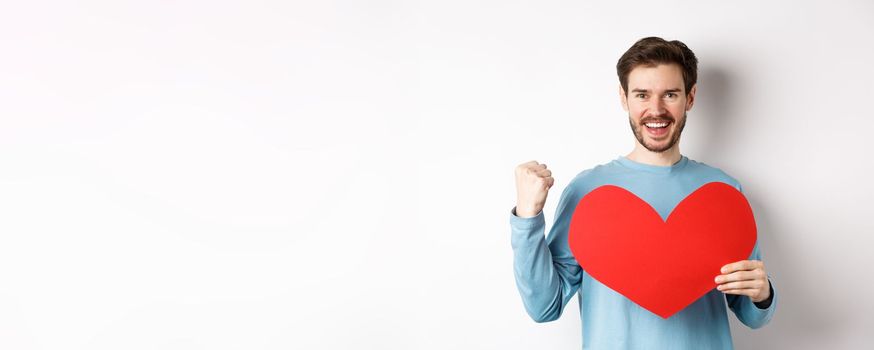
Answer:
(657, 128)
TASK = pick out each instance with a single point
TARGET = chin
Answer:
(660, 147)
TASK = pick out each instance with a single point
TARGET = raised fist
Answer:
(533, 181)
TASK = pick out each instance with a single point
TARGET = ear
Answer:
(622, 98)
(690, 98)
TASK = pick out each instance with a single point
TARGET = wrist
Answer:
(766, 302)
(527, 211)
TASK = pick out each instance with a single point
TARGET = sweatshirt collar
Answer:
(659, 169)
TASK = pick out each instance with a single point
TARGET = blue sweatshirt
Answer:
(547, 275)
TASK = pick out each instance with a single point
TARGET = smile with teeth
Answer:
(656, 125)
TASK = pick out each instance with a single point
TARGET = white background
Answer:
(339, 174)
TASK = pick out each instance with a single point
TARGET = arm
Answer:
(547, 274)
(754, 314)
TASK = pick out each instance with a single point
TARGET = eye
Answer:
(671, 94)
(640, 95)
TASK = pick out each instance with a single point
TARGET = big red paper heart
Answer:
(663, 266)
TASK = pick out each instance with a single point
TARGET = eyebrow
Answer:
(645, 90)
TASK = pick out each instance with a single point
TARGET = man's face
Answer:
(656, 104)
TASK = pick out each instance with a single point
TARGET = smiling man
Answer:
(657, 88)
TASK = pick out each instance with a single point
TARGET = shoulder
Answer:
(712, 173)
(589, 179)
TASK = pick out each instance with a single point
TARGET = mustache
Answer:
(662, 118)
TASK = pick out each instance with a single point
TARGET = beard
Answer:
(637, 129)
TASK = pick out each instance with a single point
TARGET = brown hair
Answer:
(651, 51)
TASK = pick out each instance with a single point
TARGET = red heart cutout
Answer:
(663, 266)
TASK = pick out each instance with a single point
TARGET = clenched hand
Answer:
(533, 181)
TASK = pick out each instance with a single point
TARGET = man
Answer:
(657, 88)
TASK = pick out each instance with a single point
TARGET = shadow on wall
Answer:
(800, 321)
(714, 104)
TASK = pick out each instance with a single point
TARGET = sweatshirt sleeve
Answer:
(746, 310)
(547, 274)
(743, 307)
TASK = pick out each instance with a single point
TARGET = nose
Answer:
(656, 108)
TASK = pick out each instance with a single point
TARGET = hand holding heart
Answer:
(664, 265)
(533, 181)
(745, 277)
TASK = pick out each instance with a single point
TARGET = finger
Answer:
(527, 165)
(534, 169)
(737, 276)
(524, 168)
(740, 266)
(754, 284)
(748, 292)
(545, 173)
(549, 182)
(531, 170)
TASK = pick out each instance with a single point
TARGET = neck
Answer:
(667, 158)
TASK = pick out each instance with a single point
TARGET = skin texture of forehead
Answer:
(663, 76)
